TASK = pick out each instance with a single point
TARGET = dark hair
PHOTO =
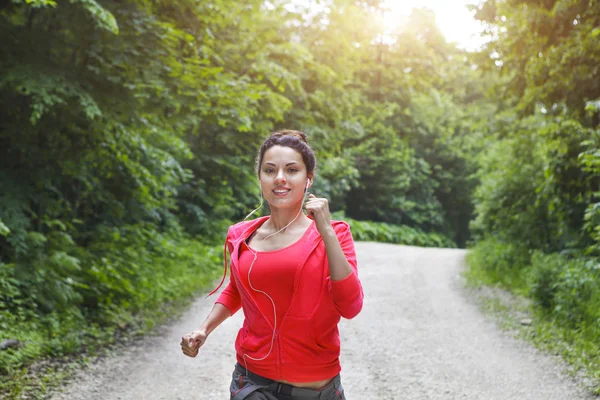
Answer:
(289, 138)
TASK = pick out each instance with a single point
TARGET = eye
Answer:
(268, 170)
(293, 170)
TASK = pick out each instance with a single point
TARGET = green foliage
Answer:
(388, 171)
(539, 175)
(574, 345)
(549, 49)
(4, 231)
(565, 292)
(48, 91)
(103, 18)
(131, 278)
(579, 345)
(446, 142)
(568, 289)
(397, 234)
(544, 279)
(500, 262)
(534, 188)
(130, 130)
(506, 198)
(590, 159)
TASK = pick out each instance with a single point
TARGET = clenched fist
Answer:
(318, 209)
(191, 343)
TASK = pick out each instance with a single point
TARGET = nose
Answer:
(280, 178)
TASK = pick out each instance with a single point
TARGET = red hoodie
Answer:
(306, 345)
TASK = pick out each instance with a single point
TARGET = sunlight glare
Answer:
(452, 17)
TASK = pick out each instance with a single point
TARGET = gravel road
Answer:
(419, 336)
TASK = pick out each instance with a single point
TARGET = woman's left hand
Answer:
(318, 209)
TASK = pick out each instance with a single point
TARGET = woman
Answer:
(295, 275)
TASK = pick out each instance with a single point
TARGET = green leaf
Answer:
(104, 19)
(4, 231)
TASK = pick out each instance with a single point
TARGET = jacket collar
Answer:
(242, 230)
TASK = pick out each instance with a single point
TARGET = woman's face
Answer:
(283, 176)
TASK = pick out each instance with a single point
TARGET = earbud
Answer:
(307, 185)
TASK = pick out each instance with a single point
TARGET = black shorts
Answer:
(249, 386)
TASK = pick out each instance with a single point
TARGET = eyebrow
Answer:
(273, 164)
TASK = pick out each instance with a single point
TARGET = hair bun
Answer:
(290, 132)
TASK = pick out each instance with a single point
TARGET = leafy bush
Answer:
(590, 159)
(132, 279)
(536, 185)
(568, 290)
(544, 278)
(398, 234)
(565, 289)
(500, 262)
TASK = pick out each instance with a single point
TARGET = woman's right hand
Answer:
(191, 343)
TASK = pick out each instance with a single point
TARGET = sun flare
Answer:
(452, 17)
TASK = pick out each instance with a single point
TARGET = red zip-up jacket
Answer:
(306, 344)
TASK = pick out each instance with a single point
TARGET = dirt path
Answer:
(418, 337)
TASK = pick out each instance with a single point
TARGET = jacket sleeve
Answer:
(347, 293)
(230, 297)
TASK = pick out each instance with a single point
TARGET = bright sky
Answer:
(452, 17)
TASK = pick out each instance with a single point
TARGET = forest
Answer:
(129, 132)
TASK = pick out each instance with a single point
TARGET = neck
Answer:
(286, 218)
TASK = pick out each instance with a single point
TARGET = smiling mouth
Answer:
(281, 192)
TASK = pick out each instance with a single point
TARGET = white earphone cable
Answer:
(263, 292)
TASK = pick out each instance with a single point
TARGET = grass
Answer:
(40, 378)
(519, 316)
(54, 346)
